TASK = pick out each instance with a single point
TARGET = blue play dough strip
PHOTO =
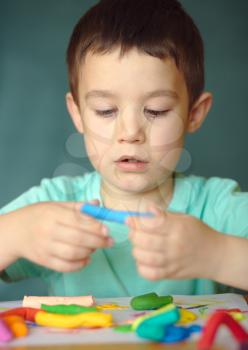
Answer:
(102, 213)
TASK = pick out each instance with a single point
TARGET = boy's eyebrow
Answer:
(155, 93)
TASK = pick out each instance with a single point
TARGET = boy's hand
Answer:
(54, 234)
(173, 245)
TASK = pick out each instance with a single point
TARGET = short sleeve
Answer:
(230, 208)
(57, 189)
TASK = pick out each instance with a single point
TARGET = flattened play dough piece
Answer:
(71, 309)
(150, 301)
(186, 316)
(27, 313)
(17, 325)
(174, 334)
(124, 328)
(5, 332)
(111, 307)
(35, 302)
(86, 319)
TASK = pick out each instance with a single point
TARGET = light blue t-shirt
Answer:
(112, 271)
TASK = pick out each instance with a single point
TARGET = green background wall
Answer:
(37, 138)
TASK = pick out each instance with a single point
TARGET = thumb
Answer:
(155, 209)
(94, 202)
(78, 205)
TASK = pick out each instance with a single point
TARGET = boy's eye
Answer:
(105, 113)
(153, 114)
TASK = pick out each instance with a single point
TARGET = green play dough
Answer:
(150, 301)
(125, 328)
(71, 309)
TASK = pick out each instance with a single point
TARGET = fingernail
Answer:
(154, 209)
(129, 220)
(94, 201)
(78, 205)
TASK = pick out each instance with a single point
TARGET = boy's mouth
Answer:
(131, 163)
(131, 159)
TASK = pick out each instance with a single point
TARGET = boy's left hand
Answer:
(174, 245)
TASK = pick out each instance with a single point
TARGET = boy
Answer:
(136, 88)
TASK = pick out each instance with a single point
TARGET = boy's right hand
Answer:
(53, 234)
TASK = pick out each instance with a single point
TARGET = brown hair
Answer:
(160, 28)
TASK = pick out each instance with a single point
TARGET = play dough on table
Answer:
(36, 301)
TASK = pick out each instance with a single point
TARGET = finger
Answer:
(155, 209)
(94, 202)
(77, 205)
(147, 241)
(69, 252)
(151, 259)
(74, 218)
(148, 224)
(61, 265)
(151, 273)
(81, 238)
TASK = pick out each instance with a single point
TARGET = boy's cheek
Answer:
(171, 132)
(170, 158)
(100, 130)
(97, 152)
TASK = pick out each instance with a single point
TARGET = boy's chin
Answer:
(133, 186)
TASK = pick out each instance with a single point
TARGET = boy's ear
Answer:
(74, 112)
(199, 112)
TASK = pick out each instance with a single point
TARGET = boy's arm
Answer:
(8, 252)
(233, 270)
(231, 210)
(8, 241)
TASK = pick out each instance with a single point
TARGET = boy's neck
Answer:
(116, 199)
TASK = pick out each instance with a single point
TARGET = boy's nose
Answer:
(131, 130)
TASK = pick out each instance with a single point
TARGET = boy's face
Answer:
(134, 106)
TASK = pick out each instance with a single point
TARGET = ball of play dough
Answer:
(150, 301)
